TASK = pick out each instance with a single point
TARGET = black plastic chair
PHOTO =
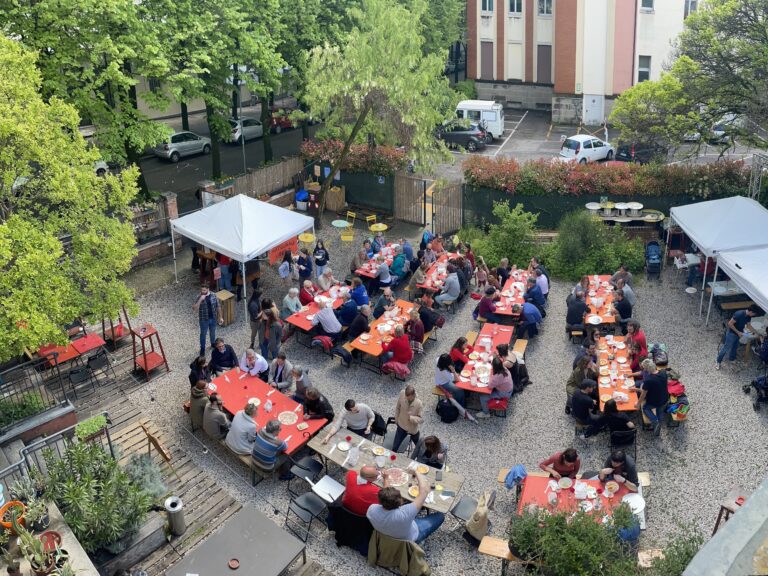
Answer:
(625, 439)
(78, 376)
(306, 508)
(99, 362)
(379, 427)
(465, 507)
(307, 469)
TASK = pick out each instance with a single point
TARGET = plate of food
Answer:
(605, 397)
(621, 360)
(379, 451)
(288, 418)
(413, 491)
(595, 319)
(605, 284)
(255, 401)
(592, 293)
(398, 477)
(482, 370)
(466, 373)
(391, 322)
(603, 370)
(620, 345)
(565, 483)
(603, 362)
(612, 486)
(605, 380)
(310, 317)
(586, 506)
(365, 337)
(474, 356)
(343, 446)
(302, 426)
(422, 469)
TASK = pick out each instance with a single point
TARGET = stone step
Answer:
(311, 568)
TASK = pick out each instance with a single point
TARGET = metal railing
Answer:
(10, 475)
(29, 389)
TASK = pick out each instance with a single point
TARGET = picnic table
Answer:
(600, 288)
(513, 292)
(499, 335)
(368, 451)
(725, 289)
(235, 388)
(370, 342)
(615, 379)
(301, 318)
(60, 354)
(436, 273)
(536, 489)
(369, 268)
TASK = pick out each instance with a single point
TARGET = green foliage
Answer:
(585, 245)
(49, 193)
(678, 551)
(145, 474)
(380, 161)
(470, 234)
(16, 408)
(90, 426)
(466, 89)
(512, 237)
(97, 498)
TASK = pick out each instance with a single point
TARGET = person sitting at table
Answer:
(458, 264)
(359, 324)
(438, 245)
(308, 293)
(542, 282)
(516, 367)
(431, 451)
(430, 257)
(419, 276)
(623, 309)
(621, 468)
(460, 352)
(414, 327)
(358, 261)
(500, 384)
(398, 349)
(266, 448)
(291, 303)
(368, 249)
(636, 335)
(530, 318)
(280, 372)
(384, 303)
(399, 519)
(215, 421)
(242, 432)
(622, 273)
(503, 270)
(317, 406)
(300, 377)
(199, 370)
(636, 358)
(446, 378)
(400, 266)
(358, 292)
(587, 348)
(304, 264)
(270, 333)
(493, 280)
(582, 405)
(428, 316)
(407, 248)
(347, 312)
(654, 395)
(197, 401)
(326, 321)
(360, 490)
(533, 294)
(223, 357)
(428, 298)
(326, 280)
(382, 278)
(629, 293)
(615, 420)
(379, 242)
(486, 308)
(409, 415)
(536, 264)
(576, 312)
(582, 285)
(254, 364)
(562, 464)
(451, 287)
(585, 369)
(356, 417)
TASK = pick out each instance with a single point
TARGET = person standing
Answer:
(226, 275)
(304, 264)
(254, 313)
(209, 314)
(321, 256)
(270, 334)
(409, 414)
(653, 393)
(734, 331)
(286, 269)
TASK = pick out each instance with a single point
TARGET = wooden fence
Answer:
(268, 180)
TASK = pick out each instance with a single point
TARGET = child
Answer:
(482, 275)
(428, 299)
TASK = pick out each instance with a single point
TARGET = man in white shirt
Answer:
(357, 417)
(329, 324)
(254, 364)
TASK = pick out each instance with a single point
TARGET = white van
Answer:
(486, 113)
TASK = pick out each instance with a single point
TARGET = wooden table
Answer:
(436, 273)
(300, 320)
(601, 291)
(623, 370)
(369, 268)
(236, 388)
(512, 293)
(450, 481)
(535, 492)
(370, 343)
(498, 335)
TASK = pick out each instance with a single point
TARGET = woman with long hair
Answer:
(500, 385)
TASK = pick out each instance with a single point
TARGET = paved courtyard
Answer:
(692, 467)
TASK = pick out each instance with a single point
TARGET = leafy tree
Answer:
(442, 23)
(379, 81)
(50, 197)
(512, 237)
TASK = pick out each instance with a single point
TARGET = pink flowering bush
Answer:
(380, 161)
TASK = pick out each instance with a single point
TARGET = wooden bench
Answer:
(644, 478)
(504, 471)
(575, 334)
(437, 391)
(431, 335)
(520, 346)
(481, 320)
(471, 337)
(248, 461)
(498, 548)
(729, 306)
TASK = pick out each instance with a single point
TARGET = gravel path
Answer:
(692, 467)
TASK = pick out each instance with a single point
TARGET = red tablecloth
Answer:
(369, 269)
(88, 342)
(606, 293)
(535, 487)
(498, 335)
(436, 278)
(510, 295)
(235, 389)
(65, 353)
(299, 319)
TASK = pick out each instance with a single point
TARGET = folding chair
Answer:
(625, 439)
(351, 218)
(348, 235)
(465, 507)
(99, 362)
(306, 508)
(78, 376)
(370, 221)
(307, 469)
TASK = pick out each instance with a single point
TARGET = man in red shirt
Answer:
(361, 491)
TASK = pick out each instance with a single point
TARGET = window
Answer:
(515, 6)
(646, 5)
(545, 7)
(487, 6)
(154, 85)
(690, 7)
(474, 115)
(644, 68)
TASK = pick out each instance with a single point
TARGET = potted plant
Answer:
(91, 428)
(37, 515)
(11, 515)
(5, 537)
(66, 570)
(23, 489)
(626, 524)
(41, 561)
(524, 532)
(11, 559)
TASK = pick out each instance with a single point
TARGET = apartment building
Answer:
(572, 57)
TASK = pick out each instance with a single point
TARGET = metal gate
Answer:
(410, 199)
(446, 207)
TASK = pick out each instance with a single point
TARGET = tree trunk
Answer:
(215, 141)
(235, 91)
(132, 155)
(335, 167)
(304, 123)
(184, 116)
(266, 122)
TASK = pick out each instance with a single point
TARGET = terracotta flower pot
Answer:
(5, 517)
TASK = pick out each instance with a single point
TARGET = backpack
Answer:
(476, 312)
(447, 411)
(659, 354)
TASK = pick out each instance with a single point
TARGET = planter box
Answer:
(46, 423)
(149, 538)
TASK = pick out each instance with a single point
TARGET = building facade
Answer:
(572, 57)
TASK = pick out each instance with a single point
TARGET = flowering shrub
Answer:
(381, 160)
(544, 177)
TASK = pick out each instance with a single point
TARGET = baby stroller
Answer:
(653, 259)
(760, 384)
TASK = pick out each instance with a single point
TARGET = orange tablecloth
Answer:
(236, 388)
(64, 353)
(499, 335)
(435, 278)
(300, 320)
(511, 295)
(605, 292)
(622, 371)
(535, 492)
(369, 269)
(372, 345)
(88, 342)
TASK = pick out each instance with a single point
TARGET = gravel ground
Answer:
(692, 467)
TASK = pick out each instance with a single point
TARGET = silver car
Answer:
(182, 144)
(248, 127)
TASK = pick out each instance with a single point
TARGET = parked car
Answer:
(641, 152)
(458, 134)
(250, 128)
(584, 148)
(182, 144)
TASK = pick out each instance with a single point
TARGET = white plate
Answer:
(310, 317)
(592, 293)
(586, 505)
(365, 337)
(212, 387)
(565, 483)
(605, 380)
(254, 401)
(620, 345)
(595, 320)
(621, 360)
(635, 501)
(343, 446)
(690, 290)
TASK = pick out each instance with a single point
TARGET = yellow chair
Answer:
(351, 218)
(370, 221)
(348, 235)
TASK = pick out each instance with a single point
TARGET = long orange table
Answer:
(512, 293)
(300, 320)
(535, 492)
(601, 289)
(236, 388)
(499, 335)
(369, 268)
(436, 273)
(370, 343)
(607, 383)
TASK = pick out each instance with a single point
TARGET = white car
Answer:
(583, 148)
(182, 144)
(248, 127)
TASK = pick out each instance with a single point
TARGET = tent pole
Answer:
(173, 247)
(666, 245)
(245, 291)
(712, 294)
(703, 285)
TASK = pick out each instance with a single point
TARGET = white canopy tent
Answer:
(241, 228)
(748, 269)
(727, 224)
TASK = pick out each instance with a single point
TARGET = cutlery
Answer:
(299, 407)
(288, 438)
